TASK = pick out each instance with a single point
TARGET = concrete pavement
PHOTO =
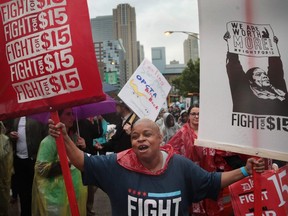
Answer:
(102, 204)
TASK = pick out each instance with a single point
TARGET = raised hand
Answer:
(265, 34)
(226, 36)
(255, 164)
(275, 39)
(80, 142)
(127, 128)
(54, 130)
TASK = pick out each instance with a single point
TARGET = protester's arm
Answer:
(275, 71)
(235, 175)
(75, 155)
(233, 64)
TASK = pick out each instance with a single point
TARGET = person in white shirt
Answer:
(25, 135)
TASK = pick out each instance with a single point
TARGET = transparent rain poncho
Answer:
(49, 192)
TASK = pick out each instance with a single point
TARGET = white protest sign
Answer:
(146, 91)
(243, 78)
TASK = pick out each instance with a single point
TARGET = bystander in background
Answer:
(49, 192)
(6, 167)
(25, 134)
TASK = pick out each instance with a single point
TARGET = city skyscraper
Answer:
(159, 58)
(109, 51)
(124, 17)
(191, 50)
(140, 50)
(114, 59)
(111, 62)
(102, 28)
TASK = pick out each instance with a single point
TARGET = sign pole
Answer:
(65, 169)
(257, 194)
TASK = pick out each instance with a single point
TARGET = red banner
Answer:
(274, 196)
(47, 57)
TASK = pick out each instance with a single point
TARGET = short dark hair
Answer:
(192, 106)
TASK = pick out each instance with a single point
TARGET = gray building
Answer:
(159, 58)
(191, 50)
(102, 28)
(110, 52)
(174, 68)
(111, 62)
(140, 51)
(115, 63)
(125, 28)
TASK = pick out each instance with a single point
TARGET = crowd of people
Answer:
(151, 157)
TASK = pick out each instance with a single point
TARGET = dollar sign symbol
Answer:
(45, 40)
(53, 81)
(270, 123)
(43, 21)
(50, 65)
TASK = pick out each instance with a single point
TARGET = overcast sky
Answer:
(153, 18)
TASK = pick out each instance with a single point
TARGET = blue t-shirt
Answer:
(133, 193)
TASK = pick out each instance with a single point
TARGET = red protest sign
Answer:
(47, 57)
(274, 194)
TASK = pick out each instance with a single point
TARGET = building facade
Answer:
(114, 59)
(102, 28)
(124, 19)
(110, 52)
(111, 62)
(141, 54)
(191, 50)
(159, 58)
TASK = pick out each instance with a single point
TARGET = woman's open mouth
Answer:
(143, 147)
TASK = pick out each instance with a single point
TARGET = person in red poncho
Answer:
(207, 158)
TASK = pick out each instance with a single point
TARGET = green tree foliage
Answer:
(189, 79)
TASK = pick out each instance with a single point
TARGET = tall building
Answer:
(191, 50)
(159, 58)
(102, 28)
(110, 53)
(98, 47)
(114, 59)
(111, 62)
(124, 17)
(140, 50)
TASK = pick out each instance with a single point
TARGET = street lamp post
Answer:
(193, 96)
(192, 42)
(193, 34)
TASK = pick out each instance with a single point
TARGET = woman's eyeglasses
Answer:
(194, 114)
